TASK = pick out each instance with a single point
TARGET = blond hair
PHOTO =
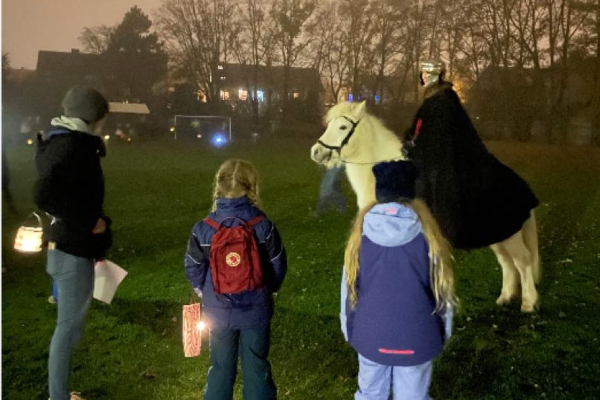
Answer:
(236, 178)
(440, 256)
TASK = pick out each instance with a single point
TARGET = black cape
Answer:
(477, 200)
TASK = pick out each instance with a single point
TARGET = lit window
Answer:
(225, 94)
(242, 94)
(260, 95)
(296, 95)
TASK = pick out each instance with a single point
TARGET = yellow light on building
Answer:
(30, 141)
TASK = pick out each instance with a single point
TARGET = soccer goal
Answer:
(212, 128)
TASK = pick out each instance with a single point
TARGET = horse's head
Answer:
(342, 121)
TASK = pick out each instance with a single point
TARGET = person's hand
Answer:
(100, 226)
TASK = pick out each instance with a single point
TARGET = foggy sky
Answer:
(32, 25)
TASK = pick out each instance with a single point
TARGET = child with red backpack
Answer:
(235, 261)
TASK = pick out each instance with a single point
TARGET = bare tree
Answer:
(291, 17)
(256, 43)
(385, 43)
(329, 48)
(359, 34)
(474, 47)
(592, 42)
(96, 39)
(199, 37)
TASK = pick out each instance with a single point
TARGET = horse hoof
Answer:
(504, 300)
(525, 308)
(530, 307)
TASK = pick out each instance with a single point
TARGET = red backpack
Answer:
(234, 257)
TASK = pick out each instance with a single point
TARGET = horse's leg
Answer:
(530, 237)
(522, 259)
(510, 275)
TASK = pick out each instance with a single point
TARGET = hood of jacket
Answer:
(72, 124)
(391, 224)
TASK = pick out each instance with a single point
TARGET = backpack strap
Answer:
(255, 220)
(214, 224)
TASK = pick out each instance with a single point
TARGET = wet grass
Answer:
(156, 191)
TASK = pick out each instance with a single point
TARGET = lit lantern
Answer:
(192, 330)
(29, 238)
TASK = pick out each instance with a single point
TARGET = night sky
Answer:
(32, 25)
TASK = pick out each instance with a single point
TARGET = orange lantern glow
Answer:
(192, 330)
(29, 238)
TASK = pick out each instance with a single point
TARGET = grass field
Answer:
(156, 191)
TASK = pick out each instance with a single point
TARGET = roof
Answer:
(74, 61)
(128, 108)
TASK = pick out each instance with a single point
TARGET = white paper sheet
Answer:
(108, 277)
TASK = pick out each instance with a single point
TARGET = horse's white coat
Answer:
(371, 143)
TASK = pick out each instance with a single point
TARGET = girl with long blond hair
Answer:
(397, 290)
(239, 321)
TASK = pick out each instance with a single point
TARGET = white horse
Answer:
(360, 140)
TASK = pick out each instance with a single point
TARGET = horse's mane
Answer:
(339, 110)
(344, 109)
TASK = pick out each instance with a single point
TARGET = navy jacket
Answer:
(248, 309)
(393, 322)
(70, 187)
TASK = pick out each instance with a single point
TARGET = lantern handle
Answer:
(39, 219)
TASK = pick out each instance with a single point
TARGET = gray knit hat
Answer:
(85, 103)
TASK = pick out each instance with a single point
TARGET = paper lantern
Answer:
(29, 238)
(192, 330)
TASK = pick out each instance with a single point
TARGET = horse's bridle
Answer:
(346, 139)
(345, 142)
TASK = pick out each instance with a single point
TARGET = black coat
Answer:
(70, 187)
(477, 200)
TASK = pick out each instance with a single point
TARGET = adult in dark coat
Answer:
(477, 200)
(70, 188)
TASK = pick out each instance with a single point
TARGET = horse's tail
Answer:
(530, 237)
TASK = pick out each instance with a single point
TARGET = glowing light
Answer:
(172, 129)
(218, 140)
(29, 142)
(129, 139)
(200, 326)
(29, 238)
(29, 241)
(106, 137)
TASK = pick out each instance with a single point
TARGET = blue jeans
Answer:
(253, 346)
(376, 381)
(331, 194)
(74, 277)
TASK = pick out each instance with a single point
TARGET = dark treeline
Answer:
(526, 68)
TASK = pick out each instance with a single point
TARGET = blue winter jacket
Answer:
(393, 321)
(248, 309)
